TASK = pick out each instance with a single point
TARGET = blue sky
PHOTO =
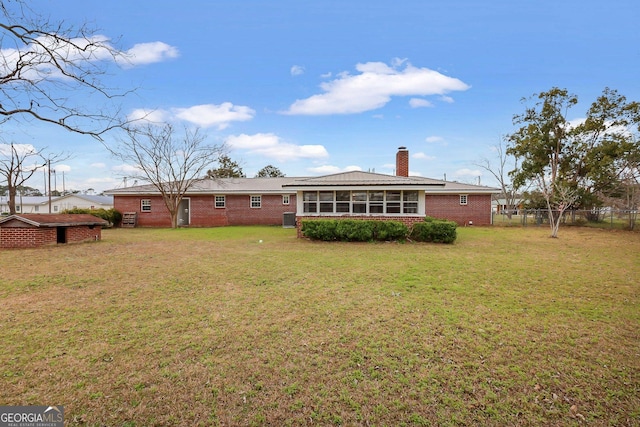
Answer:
(317, 87)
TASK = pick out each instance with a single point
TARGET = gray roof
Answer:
(360, 178)
(219, 186)
(368, 179)
(289, 185)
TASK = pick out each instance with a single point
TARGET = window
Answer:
(145, 205)
(393, 202)
(285, 199)
(36, 208)
(310, 201)
(326, 201)
(220, 201)
(463, 199)
(17, 208)
(55, 208)
(410, 202)
(256, 202)
(376, 202)
(342, 201)
(359, 201)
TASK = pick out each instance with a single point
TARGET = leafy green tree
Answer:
(576, 164)
(606, 148)
(227, 168)
(269, 171)
(541, 145)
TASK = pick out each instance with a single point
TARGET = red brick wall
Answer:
(402, 163)
(271, 212)
(33, 237)
(26, 237)
(83, 233)
(157, 217)
(447, 206)
(237, 210)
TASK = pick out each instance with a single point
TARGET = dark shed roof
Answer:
(55, 220)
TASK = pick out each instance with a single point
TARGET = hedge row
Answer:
(346, 230)
(111, 215)
(434, 230)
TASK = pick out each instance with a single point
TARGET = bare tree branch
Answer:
(18, 163)
(49, 72)
(171, 164)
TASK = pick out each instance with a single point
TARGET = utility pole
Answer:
(49, 169)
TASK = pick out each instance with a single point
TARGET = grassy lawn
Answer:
(211, 327)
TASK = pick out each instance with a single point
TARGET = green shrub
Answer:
(390, 230)
(111, 215)
(348, 230)
(319, 229)
(434, 230)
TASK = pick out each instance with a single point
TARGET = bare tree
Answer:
(171, 164)
(18, 163)
(500, 171)
(49, 72)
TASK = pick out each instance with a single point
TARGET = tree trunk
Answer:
(12, 191)
(174, 218)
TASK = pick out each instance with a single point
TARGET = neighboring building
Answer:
(34, 230)
(500, 206)
(268, 201)
(40, 204)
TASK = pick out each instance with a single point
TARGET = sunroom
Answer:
(362, 202)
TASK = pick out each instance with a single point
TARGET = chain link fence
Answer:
(602, 218)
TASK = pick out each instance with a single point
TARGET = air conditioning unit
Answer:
(289, 220)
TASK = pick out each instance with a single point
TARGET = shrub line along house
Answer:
(353, 195)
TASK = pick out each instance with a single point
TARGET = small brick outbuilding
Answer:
(33, 230)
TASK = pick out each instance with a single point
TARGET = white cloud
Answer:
(419, 102)
(78, 50)
(297, 70)
(61, 168)
(434, 139)
(126, 169)
(102, 180)
(328, 169)
(149, 116)
(21, 149)
(374, 87)
(467, 173)
(205, 115)
(148, 53)
(422, 156)
(271, 146)
(447, 99)
(221, 116)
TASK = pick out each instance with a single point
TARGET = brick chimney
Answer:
(402, 162)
